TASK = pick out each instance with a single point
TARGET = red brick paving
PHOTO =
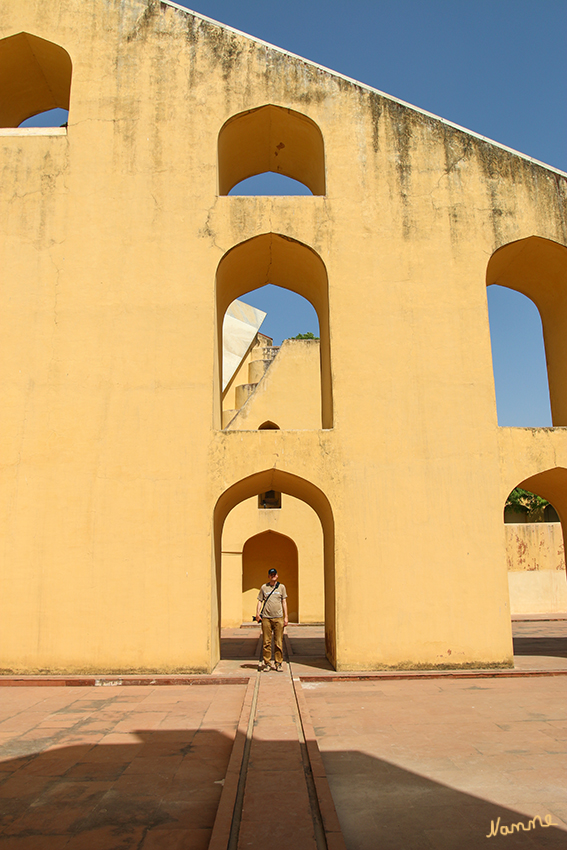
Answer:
(127, 767)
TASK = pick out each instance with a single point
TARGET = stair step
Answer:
(243, 393)
(257, 369)
(228, 416)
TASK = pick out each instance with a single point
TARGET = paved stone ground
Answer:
(428, 765)
(412, 764)
(113, 767)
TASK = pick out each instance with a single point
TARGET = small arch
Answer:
(550, 485)
(300, 488)
(523, 506)
(50, 118)
(268, 426)
(271, 138)
(269, 183)
(537, 268)
(35, 77)
(263, 551)
(285, 262)
(536, 552)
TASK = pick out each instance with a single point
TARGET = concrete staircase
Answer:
(261, 356)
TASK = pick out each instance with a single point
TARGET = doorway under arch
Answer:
(262, 552)
(300, 488)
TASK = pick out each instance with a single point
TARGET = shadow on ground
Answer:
(384, 806)
(164, 792)
(541, 646)
(244, 646)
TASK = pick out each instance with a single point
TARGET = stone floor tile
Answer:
(36, 842)
(162, 766)
(104, 838)
(177, 839)
(105, 770)
(193, 814)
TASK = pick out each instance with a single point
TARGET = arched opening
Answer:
(35, 77)
(271, 138)
(287, 263)
(49, 118)
(518, 359)
(262, 552)
(535, 543)
(268, 426)
(269, 183)
(537, 268)
(304, 491)
(267, 374)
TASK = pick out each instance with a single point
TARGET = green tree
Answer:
(524, 502)
(308, 335)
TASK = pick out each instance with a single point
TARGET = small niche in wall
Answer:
(270, 500)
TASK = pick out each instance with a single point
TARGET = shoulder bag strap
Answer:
(277, 584)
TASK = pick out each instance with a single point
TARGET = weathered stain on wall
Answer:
(535, 546)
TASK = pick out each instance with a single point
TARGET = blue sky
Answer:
(498, 67)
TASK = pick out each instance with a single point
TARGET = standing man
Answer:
(271, 611)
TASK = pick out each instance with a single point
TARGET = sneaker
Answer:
(263, 665)
(279, 668)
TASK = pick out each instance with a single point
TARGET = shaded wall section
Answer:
(263, 552)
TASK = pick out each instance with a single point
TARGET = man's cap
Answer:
(272, 572)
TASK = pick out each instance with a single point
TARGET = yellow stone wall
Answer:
(536, 567)
(116, 477)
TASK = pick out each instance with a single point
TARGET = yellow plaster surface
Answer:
(119, 260)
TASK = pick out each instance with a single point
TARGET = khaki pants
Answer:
(276, 626)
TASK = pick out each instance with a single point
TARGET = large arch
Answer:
(537, 268)
(293, 485)
(271, 138)
(35, 76)
(285, 262)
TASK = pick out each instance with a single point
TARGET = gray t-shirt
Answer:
(273, 607)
